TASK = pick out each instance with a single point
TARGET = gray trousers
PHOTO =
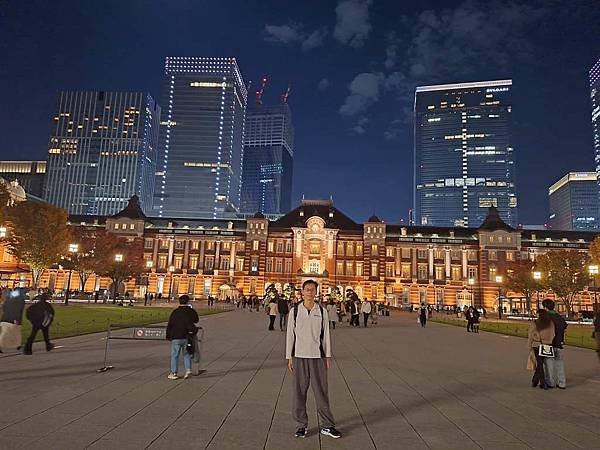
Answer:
(311, 371)
(554, 369)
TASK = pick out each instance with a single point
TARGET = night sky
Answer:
(352, 64)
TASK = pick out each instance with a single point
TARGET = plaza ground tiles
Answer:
(392, 385)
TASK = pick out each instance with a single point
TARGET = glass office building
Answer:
(29, 174)
(574, 202)
(201, 143)
(463, 154)
(268, 160)
(102, 151)
(595, 97)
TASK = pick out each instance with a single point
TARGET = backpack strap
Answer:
(294, 343)
(322, 333)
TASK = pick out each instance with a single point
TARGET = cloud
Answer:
(469, 42)
(364, 91)
(323, 84)
(352, 25)
(391, 51)
(359, 127)
(294, 33)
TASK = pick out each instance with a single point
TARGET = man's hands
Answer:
(291, 364)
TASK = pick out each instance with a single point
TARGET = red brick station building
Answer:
(398, 264)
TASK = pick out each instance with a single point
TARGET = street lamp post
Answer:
(471, 282)
(537, 276)
(119, 259)
(171, 270)
(73, 248)
(593, 269)
(500, 299)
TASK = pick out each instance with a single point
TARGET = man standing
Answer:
(308, 352)
(283, 308)
(554, 368)
(181, 329)
(41, 315)
(365, 308)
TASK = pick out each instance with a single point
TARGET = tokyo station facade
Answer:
(398, 264)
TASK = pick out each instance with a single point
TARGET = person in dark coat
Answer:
(41, 315)
(554, 368)
(284, 309)
(423, 314)
(469, 313)
(182, 329)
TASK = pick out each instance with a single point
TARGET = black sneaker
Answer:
(300, 433)
(331, 431)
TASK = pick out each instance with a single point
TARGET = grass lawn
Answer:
(75, 320)
(577, 335)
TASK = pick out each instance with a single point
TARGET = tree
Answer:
(565, 274)
(519, 278)
(120, 260)
(91, 242)
(38, 235)
(594, 251)
(5, 202)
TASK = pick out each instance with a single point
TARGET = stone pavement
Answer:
(393, 385)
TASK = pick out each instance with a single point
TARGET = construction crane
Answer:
(284, 96)
(259, 94)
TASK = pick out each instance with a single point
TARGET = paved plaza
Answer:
(392, 386)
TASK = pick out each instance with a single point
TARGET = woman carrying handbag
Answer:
(539, 341)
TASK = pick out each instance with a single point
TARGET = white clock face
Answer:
(315, 227)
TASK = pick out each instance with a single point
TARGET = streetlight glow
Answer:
(498, 278)
(471, 281)
(119, 257)
(171, 268)
(537, 275)
(2, 232)
(593, 269)
(149, 263)
(73, 248)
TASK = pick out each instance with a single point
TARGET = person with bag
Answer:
(180, 328)
(41, 315)
(539, 341)
(554, 368)
(13, 304)
(308, 354)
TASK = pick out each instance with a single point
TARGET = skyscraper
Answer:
(574, 202)
(29, 174)
(268, 160)
(595, 97)
(200, 171)
(102, 151)
(463, 154)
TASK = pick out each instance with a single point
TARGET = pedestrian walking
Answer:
(283, 307)
(596, 332)
(13, 304)
(181, 331)
(308, 353)
(272, 312)
(540, 337)
(355, 312)
(475, 320)
(469, 317)
(366, 309)
(332, 312)
(423, 315)
(554, 368)
(41, 315)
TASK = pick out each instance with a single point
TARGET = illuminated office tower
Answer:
(464, 160)
(595, 97)
(574, 202)
(201, 141)
(102, 151)
(268, 160)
